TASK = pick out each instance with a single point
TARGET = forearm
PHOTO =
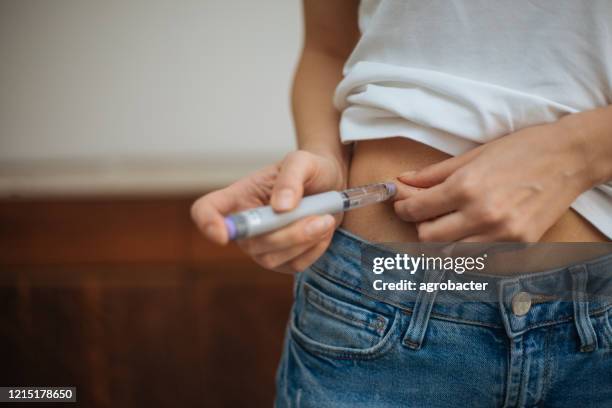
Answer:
(316, 119)
(591, 133)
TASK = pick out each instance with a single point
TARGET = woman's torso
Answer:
(448, 76)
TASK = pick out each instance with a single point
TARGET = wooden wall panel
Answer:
(103, 230)
(125, 300)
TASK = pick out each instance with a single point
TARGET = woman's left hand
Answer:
(512, 189)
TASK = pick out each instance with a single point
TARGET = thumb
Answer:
(295, 170)
(436, 173)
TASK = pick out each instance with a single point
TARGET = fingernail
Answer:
(284, 199)
(318, 226)
(213, 233)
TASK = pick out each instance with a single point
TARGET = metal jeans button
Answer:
(521, 303)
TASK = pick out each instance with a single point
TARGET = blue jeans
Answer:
(348, 345)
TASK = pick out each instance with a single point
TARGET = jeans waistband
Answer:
(516, 303)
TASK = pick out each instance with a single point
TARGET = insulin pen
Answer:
(260, 220)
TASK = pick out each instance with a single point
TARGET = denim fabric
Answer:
(350, 346)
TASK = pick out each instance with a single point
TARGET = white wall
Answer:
(122, 82)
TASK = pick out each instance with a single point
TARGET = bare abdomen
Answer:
(385, 159)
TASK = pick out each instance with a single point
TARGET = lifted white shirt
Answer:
(454, 74)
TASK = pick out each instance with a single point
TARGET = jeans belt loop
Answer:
(584, 326)
(413, 338)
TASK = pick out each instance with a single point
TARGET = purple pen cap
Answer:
(231, 227)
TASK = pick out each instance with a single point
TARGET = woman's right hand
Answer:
(292, 248)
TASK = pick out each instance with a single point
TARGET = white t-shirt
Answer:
(454, 74)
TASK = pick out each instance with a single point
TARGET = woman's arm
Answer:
(514, 188)
(592, 134)
(331, 33)
(320, 164)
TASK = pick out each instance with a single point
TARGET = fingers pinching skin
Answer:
(426, 204)
(404, 191)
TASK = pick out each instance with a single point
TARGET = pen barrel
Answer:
(264, 219)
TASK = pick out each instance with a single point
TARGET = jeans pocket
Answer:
(339, 326)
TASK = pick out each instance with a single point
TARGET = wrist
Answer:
(578, 134)
(339, 158)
